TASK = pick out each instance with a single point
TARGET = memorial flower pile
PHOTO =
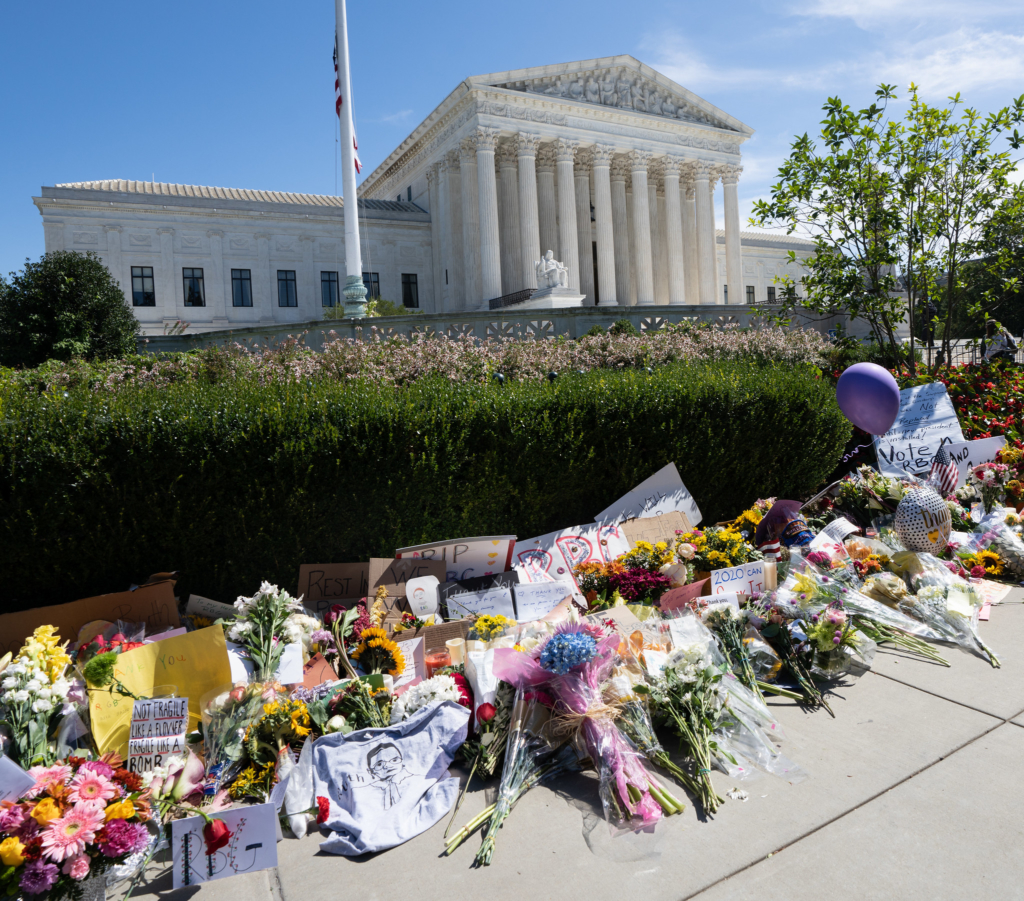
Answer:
(636, 577)
(714, 548)
(989, 481)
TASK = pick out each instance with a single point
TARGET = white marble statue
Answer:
(551, 273)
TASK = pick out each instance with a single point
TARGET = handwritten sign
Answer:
(396, 574)
(653, 529)
(195, 664)
(14, 781)
(466, 558)
(157, 730)
(253, 846)
(415, 662)
(663, 492)
(747, 578)
(462, 599)
(535, 600)
(969, 454)
(200, 606)
(321, 585)
(925, 421)
(552, 557)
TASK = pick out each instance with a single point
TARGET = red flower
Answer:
(323, 809)
(217, 835)
(465, 695)
(485, 712)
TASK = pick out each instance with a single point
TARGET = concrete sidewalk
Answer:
(914, 792)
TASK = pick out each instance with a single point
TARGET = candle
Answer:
(771, 575)
(435, 660)
(457, 649)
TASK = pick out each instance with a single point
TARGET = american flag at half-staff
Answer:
(944, 473)
(337, 105)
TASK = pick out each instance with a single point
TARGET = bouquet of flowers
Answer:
(81, 818)
(33, 696)
(488, 628)
(989, 480)
(714, 548)
(268, 621)
(865, 494)
(997, 548)
(746, 523)
(377, 653)
(431, 691)
(117, 642)
(281, 728)
(358, 705)
(411, 621)
(227, 714)
(637, 577)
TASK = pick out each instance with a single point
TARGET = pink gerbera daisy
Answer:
(89, 785)
(47, 776)
(68, 835)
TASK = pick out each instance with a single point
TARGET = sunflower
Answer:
(378, 654)
(992, 562)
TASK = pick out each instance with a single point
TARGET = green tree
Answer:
(66, 305)
(896, 207)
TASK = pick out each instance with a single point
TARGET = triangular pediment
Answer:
(618, 82)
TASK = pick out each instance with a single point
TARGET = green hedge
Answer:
(235, 482)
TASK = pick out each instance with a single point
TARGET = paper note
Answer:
(460, 602)
(415, 665)
(715, 601)
(316, 671)
(663, 492)
(687, 630)
(157, 730)
(926, 420)
(839, 529)
(466, 558)
(422, 596)
(969, 454)
(14, 781)
(200, 606)
(253, 846)
(747, 578)
(195, 664)
(535, 600)
(552, 557)
(153, 605)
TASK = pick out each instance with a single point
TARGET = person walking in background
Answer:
(999, 344)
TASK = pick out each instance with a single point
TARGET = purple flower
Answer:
(638, 584)
(121, 837)
(321, 636)
(11, 820)
(38, 877)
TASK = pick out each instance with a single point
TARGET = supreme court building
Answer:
(607, 163)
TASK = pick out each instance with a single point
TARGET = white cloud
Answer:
(395, 118)
(875, 14)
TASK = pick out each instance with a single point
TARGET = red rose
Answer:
(465, 695)
(217, 835)
(485, 712)
(323, 809)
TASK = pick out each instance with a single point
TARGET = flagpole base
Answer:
(355, 298)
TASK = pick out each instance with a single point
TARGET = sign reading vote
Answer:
(925, 421)
(747, 578)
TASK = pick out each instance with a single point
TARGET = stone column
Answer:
(307, 289)
(166, 294)
(436, 239)
(674, 234)
(217, 286)
(657, 262)
(620, 227)
(691, 267)
(715, 263)
(511, 243)
(565, 151)
(113, 256)
(602, 158)
(470, 225)
(547, 205)
(584, 232)
(445, 217)
(705, 233)
(631, 228)
(458, 275)
(529, 218)
(487, 189)
(264, 290)
(639, 160)
(733, 253)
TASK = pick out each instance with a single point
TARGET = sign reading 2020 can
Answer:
(923, 521)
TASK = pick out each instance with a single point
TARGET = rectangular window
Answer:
(143, 294)
(372, 282)
(771, 294)
(195, 296)
(286, 293)
(750, 294)
(241, 288)
(329, 289)
(410, 291)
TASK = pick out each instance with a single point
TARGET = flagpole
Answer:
(355, 290)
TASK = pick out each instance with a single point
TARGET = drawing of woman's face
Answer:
(386, 763)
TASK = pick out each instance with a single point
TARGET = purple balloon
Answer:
(869, 397)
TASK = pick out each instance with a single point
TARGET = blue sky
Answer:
(241, 94)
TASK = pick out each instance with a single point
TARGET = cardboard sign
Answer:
(316, 671)
(535, 600)
(195, 663)
(434, 637)
(253, 846)
(973, 453)
(200, 606)
(395, 574)
(157, 730)
(415, 662)
(675, 598)
(321, 585)
(656, 528)
(552, 557)
(746, 578)
(153, 605)
(14, 781)
(925, 421)
(487, 595)
(465, 558)
(663, 492)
